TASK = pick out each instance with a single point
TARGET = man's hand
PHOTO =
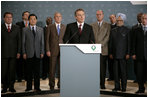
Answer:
(48, 53)
(18, 55)
(111, 56)
(134, 57)
(42, 55)
(24, 56)
(127, 56)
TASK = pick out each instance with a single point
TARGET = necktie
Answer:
(58, 29)
(145, 30)
(33, 31)
(26, 24)
(80, 30)
(99, 26)
(8, 28)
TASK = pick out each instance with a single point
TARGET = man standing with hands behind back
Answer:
(79, 32)
(55, 33)
(33, 50)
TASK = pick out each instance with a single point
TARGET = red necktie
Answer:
(80, 29)
(26, 24)
(8, 28)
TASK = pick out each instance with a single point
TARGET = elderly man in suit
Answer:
(20, 68)
(139, 52)
(102, 31)
(79, 32)
(119, 50)
(10, 50)
(33, 50)
(55, 33)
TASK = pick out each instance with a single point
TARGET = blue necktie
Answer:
(58, 29)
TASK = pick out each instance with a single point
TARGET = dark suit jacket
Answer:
(10, 41)
(53, 40)
(87, 35)
(132, 33)
(139, 43)
(21, 26)
(119, 42)
(31, 44)
(113, 26)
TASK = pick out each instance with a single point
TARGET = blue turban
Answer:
(123, 16)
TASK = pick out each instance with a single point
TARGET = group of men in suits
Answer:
(34, 42)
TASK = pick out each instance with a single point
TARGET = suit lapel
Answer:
(12, 28)
(61, 29)
(75, 27)
(29, 28)
(84, 28)
(55, 28)
(4, 27)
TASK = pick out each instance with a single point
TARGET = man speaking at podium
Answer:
(79, 32)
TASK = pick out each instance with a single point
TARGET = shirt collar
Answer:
(58, 24)
(100, 23)
(9, 25)
(143, 25)
(79, 24)
(25, 22)
(33, 26)
(114, 24)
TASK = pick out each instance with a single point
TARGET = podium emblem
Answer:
(93, 47)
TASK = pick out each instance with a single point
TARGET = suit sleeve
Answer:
(106, 38)
(67, 34)
(23, 41)
(19, 39)
(110, 45)
(128, 43)
(42, 41)
(48, 39)
(133, 42)
(92, 38)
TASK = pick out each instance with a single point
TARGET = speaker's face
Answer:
(80, 16)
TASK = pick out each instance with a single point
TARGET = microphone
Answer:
(71, 37)
(92, 42)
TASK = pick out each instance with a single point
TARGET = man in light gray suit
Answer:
(33, 50)
(101, 32)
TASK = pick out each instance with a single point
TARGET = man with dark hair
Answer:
(79, 32)
(33, 51)
(139, 52)
(24, 22)
(112, 18)
(45, 67)
(21, 64)
(131, 34)
(10, 49)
